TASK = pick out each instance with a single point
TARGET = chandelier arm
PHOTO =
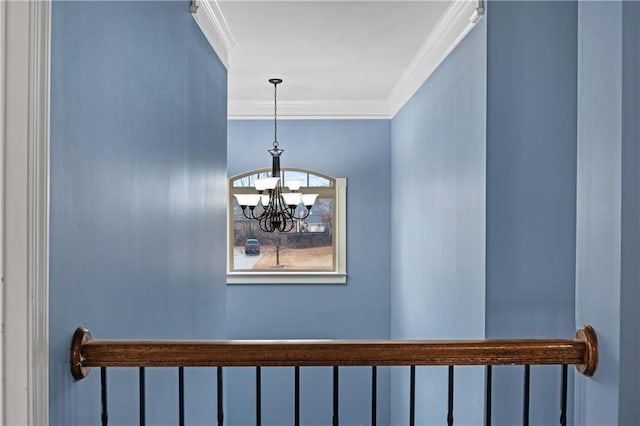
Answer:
(253, 214)
(304, 215)
(244, 212)
(291, 225)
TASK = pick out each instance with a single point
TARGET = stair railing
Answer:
(581, 351)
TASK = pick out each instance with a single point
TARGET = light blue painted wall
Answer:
(630, 291)
(438, 229)
(531, 191)
(608, 232)
(138, 152)
(599, 206)
(359, 151)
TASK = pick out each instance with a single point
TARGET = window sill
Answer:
(286, 278)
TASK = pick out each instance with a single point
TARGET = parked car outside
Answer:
(252, 246)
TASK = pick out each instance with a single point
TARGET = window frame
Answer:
(337, 276)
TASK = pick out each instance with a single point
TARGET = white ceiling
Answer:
(335, 57)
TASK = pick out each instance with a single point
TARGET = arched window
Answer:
(314, 251)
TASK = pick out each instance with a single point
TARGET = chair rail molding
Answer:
(214, 25)
(24, 202)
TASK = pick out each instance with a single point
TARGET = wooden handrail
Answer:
(581, 351)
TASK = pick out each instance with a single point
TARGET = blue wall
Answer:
(531, 190)
(630, 261)
(138, 152)
(608, 229)
(438, 235)
(359, 151)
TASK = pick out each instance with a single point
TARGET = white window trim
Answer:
(339, 276)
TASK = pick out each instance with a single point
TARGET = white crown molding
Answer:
(456, 22)
(215, 26)
(347, 109)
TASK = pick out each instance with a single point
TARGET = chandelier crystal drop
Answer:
(278, 207)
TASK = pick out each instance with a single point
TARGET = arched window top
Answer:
(308, 178)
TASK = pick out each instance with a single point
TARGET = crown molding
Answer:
(345, 109)
(215, 26)
(456, 22)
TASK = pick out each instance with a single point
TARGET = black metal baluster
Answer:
(374, 395)
(220, 408)
(450, 404)
(258, 396)
(335, 396)
(487, 410)
(103, 394)
(412, 397)
(563, 400)
(141, 381)
(297, 396)
(525, 410)
(181, 396)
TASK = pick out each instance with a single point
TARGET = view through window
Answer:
(311, 246)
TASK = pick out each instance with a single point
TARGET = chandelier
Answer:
(279, 208)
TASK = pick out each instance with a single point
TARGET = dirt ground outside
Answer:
(314, 258)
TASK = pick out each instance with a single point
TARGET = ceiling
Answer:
(337, 58)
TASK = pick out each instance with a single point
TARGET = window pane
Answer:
(308, 247)
(294, 175)
(248, 181)
(319, 181)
